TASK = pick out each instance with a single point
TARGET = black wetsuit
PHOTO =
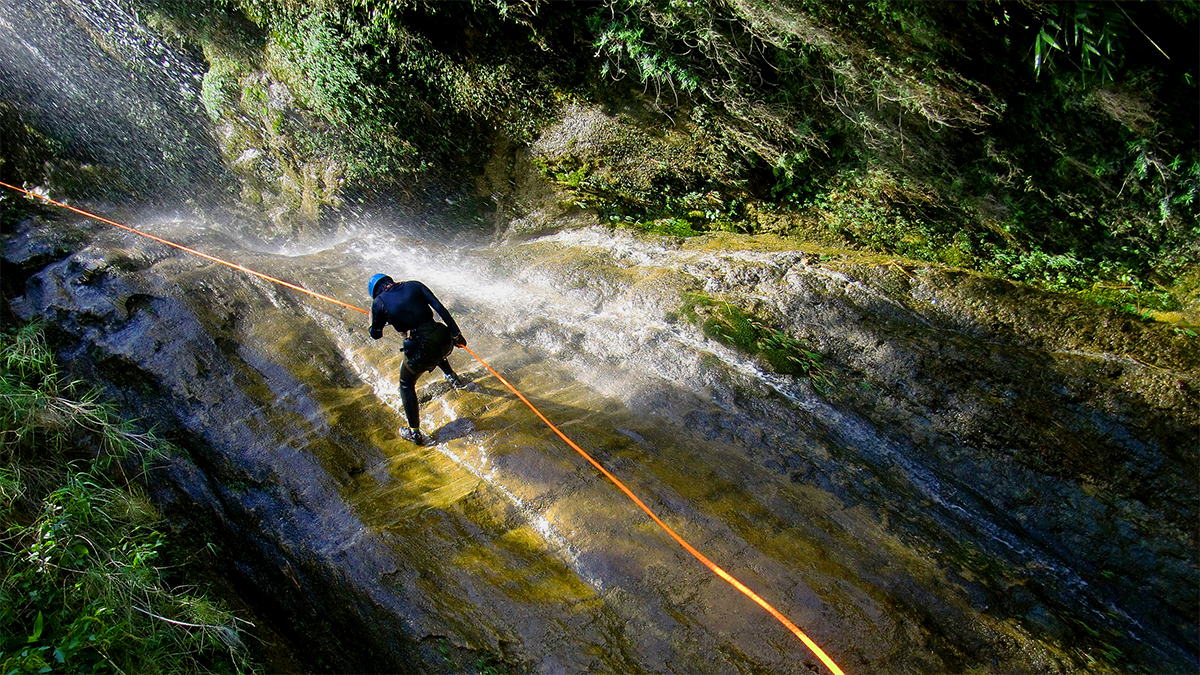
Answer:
(408, 306)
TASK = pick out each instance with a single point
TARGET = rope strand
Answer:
(820, 653)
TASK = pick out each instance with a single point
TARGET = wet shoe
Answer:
(413, 435)
(454, 381)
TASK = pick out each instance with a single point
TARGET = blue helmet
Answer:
(374, 284)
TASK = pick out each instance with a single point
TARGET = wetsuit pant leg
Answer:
(432, 339)
(408, 394)
(446, 347)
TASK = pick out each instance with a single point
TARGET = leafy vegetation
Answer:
(82, 589)
(384, 90)
(1057, 146)
(1091, 32)
(1050, 143)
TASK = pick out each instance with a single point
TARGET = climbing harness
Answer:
(713, 567)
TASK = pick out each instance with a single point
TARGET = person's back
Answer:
(409, 308)
(406, 306)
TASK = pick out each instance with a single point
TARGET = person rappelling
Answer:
(409, 306)
(427, 343)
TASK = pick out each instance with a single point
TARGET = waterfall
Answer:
(110, 91)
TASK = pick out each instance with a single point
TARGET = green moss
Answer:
(732, 326)
(674, 227)
(219, 89)
(516, 563)
(1132, 297)
(254, 100)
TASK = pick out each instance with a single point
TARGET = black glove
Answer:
(459, 340)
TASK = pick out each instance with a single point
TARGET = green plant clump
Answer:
(730, 325)
(1055, 146)
(1052, 143)
(81, 589)
(380, 89)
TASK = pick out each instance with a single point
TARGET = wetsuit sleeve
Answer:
(378, 320)
(441, 310)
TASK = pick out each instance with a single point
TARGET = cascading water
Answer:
(113, 93)
(878, 530)
(598, 388)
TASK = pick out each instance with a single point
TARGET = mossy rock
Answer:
(626, 159)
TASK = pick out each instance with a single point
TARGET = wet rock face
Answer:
(983, 487)
(130, 335)
(1065, 425)
(94, 78)
(491, 552)
(995, 423)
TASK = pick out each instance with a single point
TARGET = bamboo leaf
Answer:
(1046, 38)
(37, 629)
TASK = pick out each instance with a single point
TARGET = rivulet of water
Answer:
(92, 76)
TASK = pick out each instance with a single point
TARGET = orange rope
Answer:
(829, 663)
(184, 248)
(699, 556)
